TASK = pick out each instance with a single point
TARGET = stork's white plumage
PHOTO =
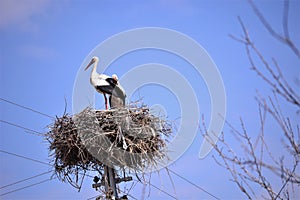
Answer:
(107, 85)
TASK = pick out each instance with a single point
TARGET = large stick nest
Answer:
(128, 137)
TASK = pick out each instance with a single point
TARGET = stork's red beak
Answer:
(88, 65)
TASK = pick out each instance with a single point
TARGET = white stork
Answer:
(107, 85)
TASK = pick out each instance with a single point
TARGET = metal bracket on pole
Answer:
(109, 181)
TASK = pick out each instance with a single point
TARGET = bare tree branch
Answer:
(277, 82)
(284, 39)
(254, 163)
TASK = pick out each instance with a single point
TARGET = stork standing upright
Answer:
(107, 85)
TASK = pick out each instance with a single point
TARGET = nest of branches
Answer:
(128, 137)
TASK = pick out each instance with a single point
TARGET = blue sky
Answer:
(43, 44)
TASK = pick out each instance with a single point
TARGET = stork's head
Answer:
(115, 77)
(94, 59)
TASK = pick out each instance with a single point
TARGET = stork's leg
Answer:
(105, 99)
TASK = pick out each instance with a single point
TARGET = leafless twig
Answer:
(285, 38)
(254, 163)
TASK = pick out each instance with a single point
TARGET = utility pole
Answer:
(109, 181)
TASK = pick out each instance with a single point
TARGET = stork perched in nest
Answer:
(105, 84)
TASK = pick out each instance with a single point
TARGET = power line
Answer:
(31, 159)
(33, 110)
(197, 186)
(24, 157)
(130, 195)
(170, 195)
(22, 127)
(41, 162)
(165, 192)
(200, 188)
(34, 184)
(27, 108)
(26, 179)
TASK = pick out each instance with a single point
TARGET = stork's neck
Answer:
(94, 70)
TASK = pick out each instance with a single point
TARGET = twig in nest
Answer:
(129, 137)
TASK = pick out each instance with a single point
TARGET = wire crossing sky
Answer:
(47, 172)
(44, 43)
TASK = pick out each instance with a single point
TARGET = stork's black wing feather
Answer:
(105, 89)
(116, 90)
(112, 81)
(112, 90)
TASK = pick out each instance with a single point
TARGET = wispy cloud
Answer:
(37, 52)
(20, 12)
